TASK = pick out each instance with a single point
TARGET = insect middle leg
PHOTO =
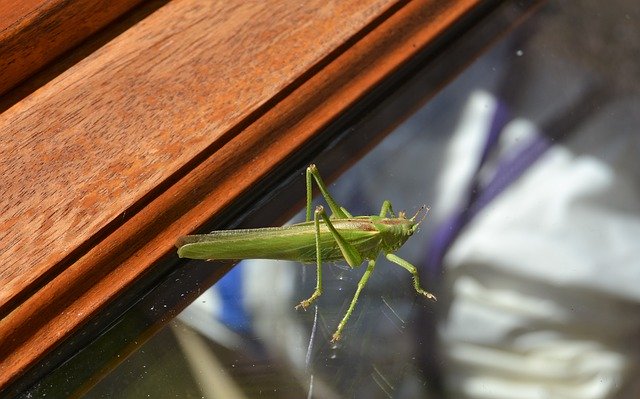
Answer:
(387, 208)
(354, 300)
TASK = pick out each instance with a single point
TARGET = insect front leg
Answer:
(414, 272)
(336, 210)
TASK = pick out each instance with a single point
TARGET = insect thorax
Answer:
(394, 232)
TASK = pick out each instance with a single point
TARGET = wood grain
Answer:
(161, 128)
(34, 32)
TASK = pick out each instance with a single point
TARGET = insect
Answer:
(338, 237)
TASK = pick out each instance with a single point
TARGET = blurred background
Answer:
(530, 164)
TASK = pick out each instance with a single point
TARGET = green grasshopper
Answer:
(339, 237)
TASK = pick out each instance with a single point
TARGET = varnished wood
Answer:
(160, 129)
(34, 32)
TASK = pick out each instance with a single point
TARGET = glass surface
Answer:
(532, 249)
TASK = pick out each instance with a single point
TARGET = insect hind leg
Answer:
(350, 254)
(318, 291)
(312, 174)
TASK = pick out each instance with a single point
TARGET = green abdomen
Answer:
(296, 242)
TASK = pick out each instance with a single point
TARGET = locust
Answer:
(339, 237)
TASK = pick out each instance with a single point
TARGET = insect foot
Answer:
(428, 295)
(421, 291)
(303, 305)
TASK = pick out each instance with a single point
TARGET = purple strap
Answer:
(507, 171)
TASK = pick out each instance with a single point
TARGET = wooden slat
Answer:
(34, 32)
(161, 128)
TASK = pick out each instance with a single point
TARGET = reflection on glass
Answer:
(529, 162)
